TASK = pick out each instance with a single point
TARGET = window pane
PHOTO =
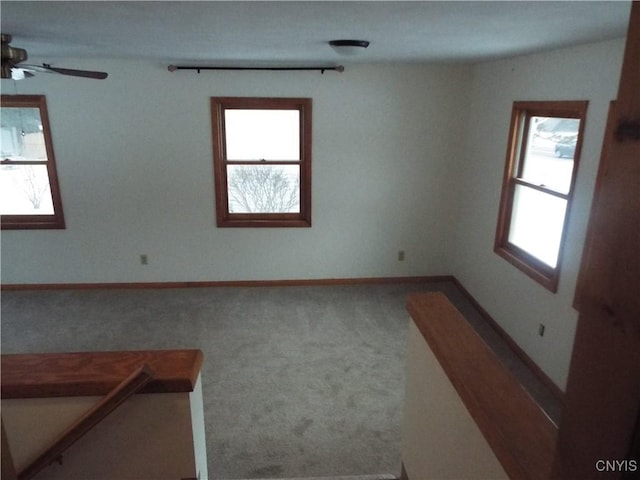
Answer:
(550, 150)
(536, 223)
(262, 134)
(22, 136)
(263, 188)
(24, 190)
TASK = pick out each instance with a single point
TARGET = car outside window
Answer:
(542, 161)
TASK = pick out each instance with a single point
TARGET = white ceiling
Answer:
(294, 32)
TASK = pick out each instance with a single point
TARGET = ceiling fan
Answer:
(12, 66)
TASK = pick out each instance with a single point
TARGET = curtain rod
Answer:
(337, 68)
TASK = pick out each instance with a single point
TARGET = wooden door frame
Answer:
(602, 400)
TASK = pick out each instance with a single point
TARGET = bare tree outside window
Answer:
(262, 161)
(21, 144)
(29, 192)
(258, 189)
(34, 185)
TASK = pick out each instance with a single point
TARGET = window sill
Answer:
(30, 222)
(263, 223)
(531, 267)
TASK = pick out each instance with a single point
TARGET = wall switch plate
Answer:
(144, 260)
(401, 256)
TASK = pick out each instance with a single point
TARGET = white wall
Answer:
(394, 167)
(134, 156)
(515, 301)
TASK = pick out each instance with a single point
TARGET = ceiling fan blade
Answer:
(12, 66)
(77, 73)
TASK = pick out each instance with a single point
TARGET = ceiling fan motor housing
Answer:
(10, 55)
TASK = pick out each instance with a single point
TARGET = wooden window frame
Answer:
(516, 152)
(223, 216)
(55, 220)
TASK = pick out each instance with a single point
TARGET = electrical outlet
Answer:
(144, 260)
(541, 330)
(401, 256)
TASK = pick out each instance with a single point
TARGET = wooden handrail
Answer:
(132, 384)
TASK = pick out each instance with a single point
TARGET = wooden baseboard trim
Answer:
(230, 283)
(520, 353)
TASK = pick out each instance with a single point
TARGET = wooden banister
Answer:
(43, 375)
(521, 435)
(132, 384)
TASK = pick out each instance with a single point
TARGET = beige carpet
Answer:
(297, 381)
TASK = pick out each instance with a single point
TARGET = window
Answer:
(542, 161)
(29, 192)
(262, 161)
